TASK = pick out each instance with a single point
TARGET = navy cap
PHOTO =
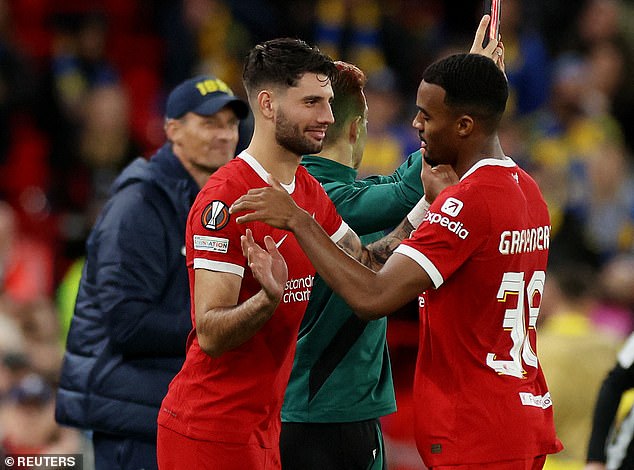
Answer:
(204, 95)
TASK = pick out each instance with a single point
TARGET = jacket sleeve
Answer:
(618, 381)
(379, 202)
(141, 278)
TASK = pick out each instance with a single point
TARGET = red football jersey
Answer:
(479, 390)
(237, 397)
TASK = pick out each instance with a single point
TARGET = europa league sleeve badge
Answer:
(215, 216)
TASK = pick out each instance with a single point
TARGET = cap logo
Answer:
(212, 85)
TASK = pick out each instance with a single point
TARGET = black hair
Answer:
(284, 61)
(473, 84)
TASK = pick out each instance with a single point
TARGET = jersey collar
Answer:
(506, 162)
(262, 173)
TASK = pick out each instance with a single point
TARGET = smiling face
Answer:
(303, 114)
(436, 125)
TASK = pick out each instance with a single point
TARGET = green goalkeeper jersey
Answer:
(341, 371)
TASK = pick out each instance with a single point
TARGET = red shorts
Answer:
(529, 464)
(177, 452)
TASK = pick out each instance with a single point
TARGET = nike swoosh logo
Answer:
(278, 244)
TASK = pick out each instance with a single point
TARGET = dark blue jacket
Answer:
(132, 316)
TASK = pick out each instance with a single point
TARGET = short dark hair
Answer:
(283, 62)
(349, 101)
(473, 84)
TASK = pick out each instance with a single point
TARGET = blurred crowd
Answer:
(82, 89)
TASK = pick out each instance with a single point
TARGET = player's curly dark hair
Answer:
(473, 84)
(283, 62)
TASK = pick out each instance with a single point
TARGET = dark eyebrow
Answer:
(422, 110)
(313, 97)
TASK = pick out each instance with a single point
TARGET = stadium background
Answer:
(82, 89)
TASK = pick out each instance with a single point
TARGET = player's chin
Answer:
(314, 146)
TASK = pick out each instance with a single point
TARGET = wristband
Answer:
(417, 214)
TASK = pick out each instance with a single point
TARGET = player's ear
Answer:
(354, 131)
(464, 125)
(265, 103)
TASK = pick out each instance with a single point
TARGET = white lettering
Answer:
(298, 290)
(452, 225)
(538, 401)
(215, 244)
(504, 243)
(524, 241)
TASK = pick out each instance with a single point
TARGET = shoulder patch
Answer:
(215, 216)
(215, 244)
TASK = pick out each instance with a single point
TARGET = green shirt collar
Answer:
(326, 170)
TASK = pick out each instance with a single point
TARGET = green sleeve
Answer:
(379, 202)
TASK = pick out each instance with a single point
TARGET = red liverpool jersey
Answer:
(479, 390)
(237, 397)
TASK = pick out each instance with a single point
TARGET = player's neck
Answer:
(489, 149)
(339, 151)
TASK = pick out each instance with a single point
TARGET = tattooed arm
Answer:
(375, 254)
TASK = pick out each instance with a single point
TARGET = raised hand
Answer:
(437, 178)
(268, 266)
(272, 205)
(494, 49)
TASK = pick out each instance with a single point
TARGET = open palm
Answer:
(268, 266)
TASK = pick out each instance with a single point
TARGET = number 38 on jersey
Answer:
(527, 295)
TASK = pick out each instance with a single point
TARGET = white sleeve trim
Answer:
(202, 263)
(341, 231)
(424, 263)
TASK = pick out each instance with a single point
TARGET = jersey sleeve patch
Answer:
(215, 244)
(215, 216)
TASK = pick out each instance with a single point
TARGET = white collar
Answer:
(506, 162)
(262, 173)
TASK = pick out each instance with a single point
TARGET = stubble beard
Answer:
(289, 136)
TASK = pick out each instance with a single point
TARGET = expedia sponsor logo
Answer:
(452, 206)
(524, 241)
(451, 225)
(298, 290)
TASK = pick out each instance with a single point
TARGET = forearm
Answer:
(221, 329)
(340, 270)
(376, 254)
